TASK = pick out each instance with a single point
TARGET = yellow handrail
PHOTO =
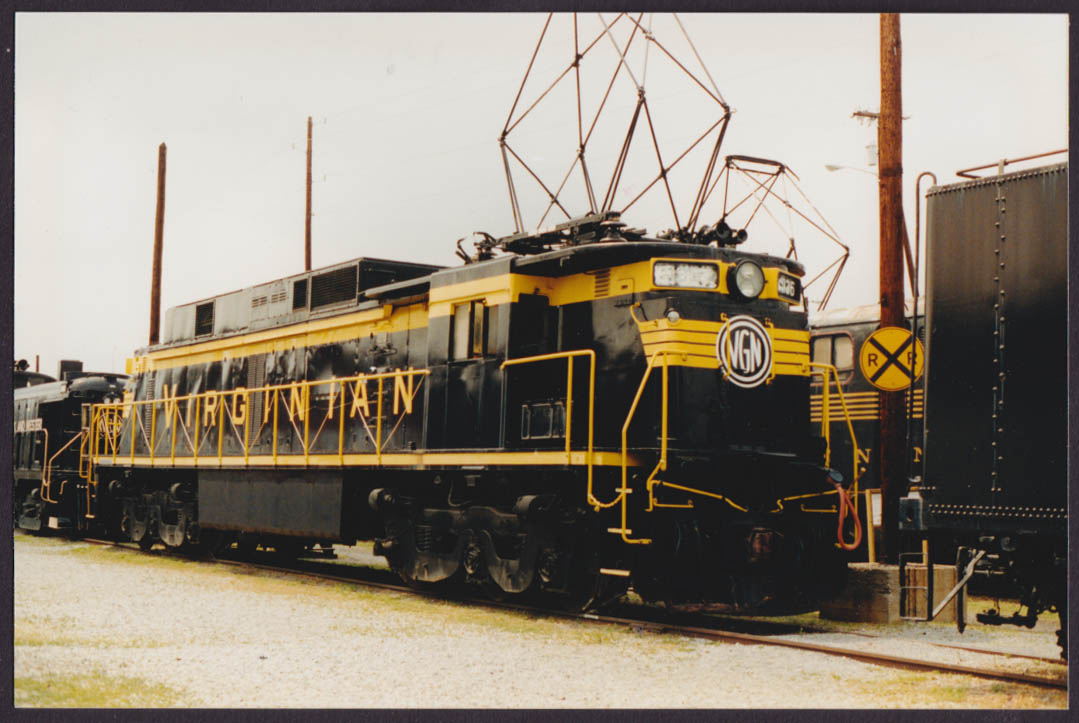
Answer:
(45, 468)
(105, 424)
(46, 477)
(569, 356)
(828, 372)
(624, 490)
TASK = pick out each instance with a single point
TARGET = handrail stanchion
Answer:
(114, 430)
(378, 438)
(133, 414)
(306, 422)
(153, 431)
(275, 406)
(569, 405)
(341, 428)
(221, 426)
(247, 427)
(45, 480)
(198, 427)
(174, 412)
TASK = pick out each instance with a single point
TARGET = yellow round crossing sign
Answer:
(889, 360)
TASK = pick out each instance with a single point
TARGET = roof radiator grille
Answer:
(333, 287)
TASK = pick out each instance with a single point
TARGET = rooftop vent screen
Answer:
(299, 294)
(204, 319)
(333, 287)
(373, 276)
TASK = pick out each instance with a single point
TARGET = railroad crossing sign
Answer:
(887, 356)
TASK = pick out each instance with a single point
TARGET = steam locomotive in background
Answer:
(587, 409)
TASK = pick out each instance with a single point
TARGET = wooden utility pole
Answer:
(890, 143)
(307, 218)
(159, 232)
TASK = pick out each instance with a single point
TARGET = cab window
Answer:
(469, 330)
(835, 349)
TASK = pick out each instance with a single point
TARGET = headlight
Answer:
(748, 279)
(685, 275)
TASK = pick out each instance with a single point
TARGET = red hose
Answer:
(846, 503)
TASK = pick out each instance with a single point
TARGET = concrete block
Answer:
(871, 595)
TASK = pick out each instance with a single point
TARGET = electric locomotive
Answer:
(566, 413)
(48, 431)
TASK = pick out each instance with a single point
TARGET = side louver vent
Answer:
(333, 287)
(603, 283)
(256, 377)
(204, 319)
(146, 410)
(299, 294)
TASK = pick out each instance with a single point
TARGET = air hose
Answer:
(846, 503)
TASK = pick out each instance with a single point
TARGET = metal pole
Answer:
(159, 232)
(890, 142)
(307, 218)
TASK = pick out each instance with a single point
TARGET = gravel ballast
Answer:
(227, 637)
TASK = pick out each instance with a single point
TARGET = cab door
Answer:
(473, 377)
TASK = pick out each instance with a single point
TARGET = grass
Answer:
(63, 631)
(948, 691)
(85, 690)
(43, 540)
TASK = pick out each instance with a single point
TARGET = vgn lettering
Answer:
(748, 351)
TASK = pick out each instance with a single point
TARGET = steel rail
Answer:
(865, 656)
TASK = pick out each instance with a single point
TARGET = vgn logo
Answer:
(744, 350)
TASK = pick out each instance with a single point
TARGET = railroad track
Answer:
(369, 577)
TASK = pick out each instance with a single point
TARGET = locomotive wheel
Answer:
(211, 544)
(31, 508)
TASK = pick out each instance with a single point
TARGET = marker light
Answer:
(748, 279)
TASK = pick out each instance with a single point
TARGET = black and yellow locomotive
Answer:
(585, 409)
(47, 442)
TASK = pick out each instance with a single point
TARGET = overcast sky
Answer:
(407, 111)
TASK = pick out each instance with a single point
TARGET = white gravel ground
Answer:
(226, 638)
